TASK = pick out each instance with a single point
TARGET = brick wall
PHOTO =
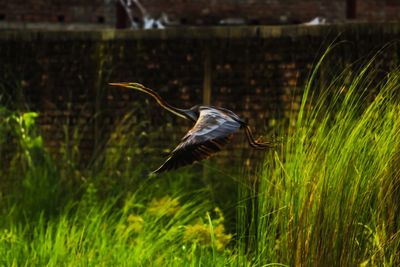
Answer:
(200, 12)
(255, 71)
(253, 11)
(379, 10)
(88, 11)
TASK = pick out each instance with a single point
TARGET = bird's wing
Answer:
(211, 132)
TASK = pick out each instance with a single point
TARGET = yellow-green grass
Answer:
(328, 195)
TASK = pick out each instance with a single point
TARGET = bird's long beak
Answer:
(185, 114)
(119, 84)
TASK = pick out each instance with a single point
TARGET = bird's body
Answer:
(214, 127)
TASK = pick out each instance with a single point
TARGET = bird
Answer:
(316, 21)
(213, 129)
(148, 21)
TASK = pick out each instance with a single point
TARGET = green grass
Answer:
(134, 235)
(330, 196)
(327, 196)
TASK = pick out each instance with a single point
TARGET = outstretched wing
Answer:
(212, 131)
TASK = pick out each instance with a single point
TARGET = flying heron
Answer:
(214, 127)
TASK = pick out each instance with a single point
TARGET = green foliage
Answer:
(136, 234)
(30, 174)
(104, 223)
(328, 196)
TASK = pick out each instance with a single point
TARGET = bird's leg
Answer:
(259, 140)
(255, 143)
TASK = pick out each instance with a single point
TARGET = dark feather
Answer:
(212, 131)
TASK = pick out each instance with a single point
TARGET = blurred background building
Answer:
(115, 13)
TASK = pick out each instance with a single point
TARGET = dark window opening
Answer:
(101, 19)
(351, 9)
(183, 21)
(2, 17)
(60, 18)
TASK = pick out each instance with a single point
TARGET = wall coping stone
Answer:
(201, 33)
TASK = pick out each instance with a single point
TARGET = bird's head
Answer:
(128, 85)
